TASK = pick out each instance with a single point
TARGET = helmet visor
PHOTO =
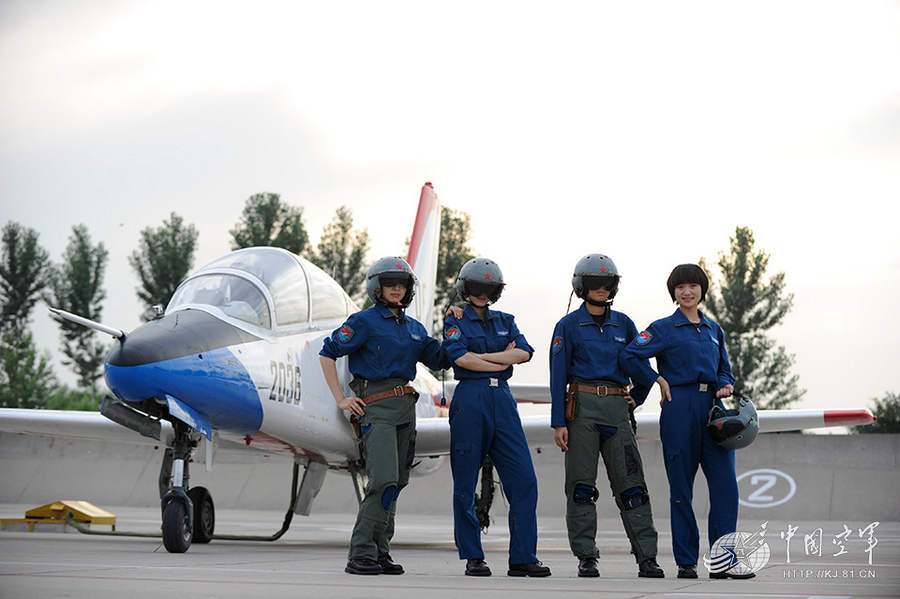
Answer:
(479, 289)
(593, 283)
(394, 280)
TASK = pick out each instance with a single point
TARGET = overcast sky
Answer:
(646, 131)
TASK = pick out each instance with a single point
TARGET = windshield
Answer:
(233, 295)
(280, 272)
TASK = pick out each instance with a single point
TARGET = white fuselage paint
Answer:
(300, 416)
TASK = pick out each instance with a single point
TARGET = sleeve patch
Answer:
(643, 338)
(453, 334)
(345, 334)
(557, 345)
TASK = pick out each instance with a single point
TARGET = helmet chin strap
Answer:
(605, 304)
(381, 300)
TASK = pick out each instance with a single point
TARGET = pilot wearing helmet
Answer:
(483, 344)
(591, 417)
(383, 345)
(694, 375)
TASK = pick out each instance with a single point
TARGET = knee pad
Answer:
(388, 496)
(585, 493)
(606, 431)
(633, 498)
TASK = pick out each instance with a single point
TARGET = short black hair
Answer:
(688, 273)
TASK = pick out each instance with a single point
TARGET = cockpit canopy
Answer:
(253, 283)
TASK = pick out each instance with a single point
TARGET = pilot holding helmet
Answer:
(591, 417)
(383, 345)
(694, 374)
(483, 345)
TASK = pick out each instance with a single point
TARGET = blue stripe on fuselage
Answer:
(216, 385)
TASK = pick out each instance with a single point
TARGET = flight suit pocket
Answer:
(460, 449)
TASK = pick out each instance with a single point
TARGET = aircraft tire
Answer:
(204, 514)
(176, 533)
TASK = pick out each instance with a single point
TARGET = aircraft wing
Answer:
(89, 426)
(433, 434)
(70, 424)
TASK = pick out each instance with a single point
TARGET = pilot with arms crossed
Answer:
(484, 420)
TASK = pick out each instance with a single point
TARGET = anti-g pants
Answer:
(387, 445)
(602, 427)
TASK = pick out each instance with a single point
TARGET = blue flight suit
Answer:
(383, 350)
(693, 360)
(484, 420)
(581, 348)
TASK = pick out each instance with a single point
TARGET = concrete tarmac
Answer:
(308, 561)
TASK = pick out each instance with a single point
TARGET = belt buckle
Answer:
(398, 391)
(703, 387)
(492, 382)
(605, 390)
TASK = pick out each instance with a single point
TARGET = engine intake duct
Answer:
(119, 413)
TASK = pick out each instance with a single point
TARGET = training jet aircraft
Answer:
(233, 362)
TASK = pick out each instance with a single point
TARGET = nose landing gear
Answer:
(188, 514)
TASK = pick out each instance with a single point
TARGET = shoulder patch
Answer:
(454, 333)
(557, 345)
(643, 338)
(345, 334)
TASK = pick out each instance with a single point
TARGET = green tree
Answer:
(887, 414)
(453, 252)
(267, 220)
(77, 287)
(342, 253)
(746, 306)
(162, 260)
(23, 275)
(66, 398)
(26, 378)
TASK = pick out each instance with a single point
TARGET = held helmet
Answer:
(480, 275)
(390, 267)
(598, 267)
(734, 429)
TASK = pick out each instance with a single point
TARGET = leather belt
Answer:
(398, 391)
(601, 390)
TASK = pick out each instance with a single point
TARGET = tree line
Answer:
(163, 258)
(743, 300)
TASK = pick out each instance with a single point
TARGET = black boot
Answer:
(587, 567)
(721, 575)
(477, 567)
(362, 565)
(388, 566)
(687, 571)
(535, 570)
(650, 569)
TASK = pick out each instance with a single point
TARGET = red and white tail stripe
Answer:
(423, 254)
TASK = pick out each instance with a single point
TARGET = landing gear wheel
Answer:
(176, 532)
(204, 514)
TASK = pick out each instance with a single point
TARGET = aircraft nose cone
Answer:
(180, 334)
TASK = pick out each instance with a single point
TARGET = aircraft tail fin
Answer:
(423, 254)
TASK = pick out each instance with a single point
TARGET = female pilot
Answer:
(483, 345)
(694, 374)
(384, 346)
(584, 355)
